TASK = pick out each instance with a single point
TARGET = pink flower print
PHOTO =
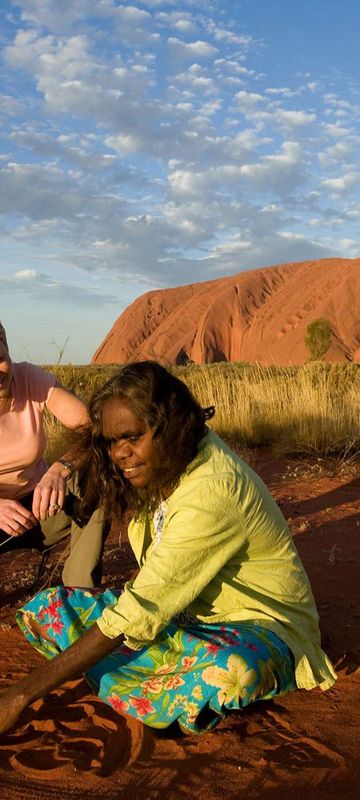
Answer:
(251, 646)
(142, 705)
(117, 703)
(52, 608)
(55, 626)
(212, 648)
(228, 639)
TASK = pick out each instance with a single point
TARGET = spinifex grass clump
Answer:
(313, 408)
(296, 409)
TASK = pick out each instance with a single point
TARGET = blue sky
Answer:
(159, 143)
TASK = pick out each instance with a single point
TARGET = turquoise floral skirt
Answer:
(194, 674)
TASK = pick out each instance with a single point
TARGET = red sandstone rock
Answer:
(255, 316)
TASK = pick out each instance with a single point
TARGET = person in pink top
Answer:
(37, 503)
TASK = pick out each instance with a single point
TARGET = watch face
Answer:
(67, 465)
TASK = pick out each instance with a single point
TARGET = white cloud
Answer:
(335, 130)
(223, 35)
(231, 247)
(52, 15)
(27, 275)
(184, 26)
(279, 172)
(44, 288)
(132, 14)
(248, 101)
(342, 184)
(124, 144)
(283, 91)
(190, 50)
(44, 193)
(9, 106)
(340, 150)
(294, 118)
(181, 21)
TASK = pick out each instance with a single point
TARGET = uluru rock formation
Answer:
(255, 316)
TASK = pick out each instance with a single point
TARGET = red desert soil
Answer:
(256, 316)
(305, 745)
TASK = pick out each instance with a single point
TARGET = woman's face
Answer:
(130, 443)
(5, 371)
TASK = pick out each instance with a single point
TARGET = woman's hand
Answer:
(15, 519)
(49, 494)
(12, 704)
(91, 647)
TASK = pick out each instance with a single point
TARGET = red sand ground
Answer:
(306, 745)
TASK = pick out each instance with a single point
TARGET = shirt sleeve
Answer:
(40, 384)
(201, 532)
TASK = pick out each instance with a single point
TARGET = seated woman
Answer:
(31, 496)
(220, 613)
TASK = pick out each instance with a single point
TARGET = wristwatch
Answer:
(68, 465)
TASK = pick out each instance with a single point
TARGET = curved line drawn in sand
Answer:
(88, 736)
(297, 749)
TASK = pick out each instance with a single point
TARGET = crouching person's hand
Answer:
(15, 519)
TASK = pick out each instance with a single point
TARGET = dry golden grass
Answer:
(309, 409)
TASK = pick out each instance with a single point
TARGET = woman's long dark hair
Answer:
(178, 423)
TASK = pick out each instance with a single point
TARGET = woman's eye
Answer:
(112, 442)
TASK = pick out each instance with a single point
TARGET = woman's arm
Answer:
(90, 648)
(50, 492)
(68, 408)
(202, 531)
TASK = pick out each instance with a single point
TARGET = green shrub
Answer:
(318, 338)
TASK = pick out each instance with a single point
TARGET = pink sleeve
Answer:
(40, 384)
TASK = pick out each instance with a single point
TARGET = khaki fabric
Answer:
(82, 567)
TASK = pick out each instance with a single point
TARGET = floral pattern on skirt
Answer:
(193, 674)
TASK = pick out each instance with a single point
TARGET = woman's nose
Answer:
(120, 450)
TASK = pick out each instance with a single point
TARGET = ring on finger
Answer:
(55, 506)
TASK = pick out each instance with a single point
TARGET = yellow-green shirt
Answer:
(225, 554)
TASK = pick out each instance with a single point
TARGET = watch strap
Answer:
(68, 465)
